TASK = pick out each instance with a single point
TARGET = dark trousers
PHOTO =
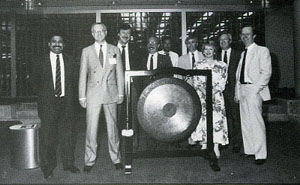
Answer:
(233, 119)
(56, 129)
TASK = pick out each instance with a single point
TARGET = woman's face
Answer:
(208, 51)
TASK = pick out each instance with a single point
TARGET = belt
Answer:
(246, 83)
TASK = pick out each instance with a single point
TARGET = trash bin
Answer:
(24, 146)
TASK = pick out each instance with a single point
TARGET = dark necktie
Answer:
(101, 56)
(242, 76)
(193, 60)
(225, 57)
(151, 63)
(58, 78)
(123, 57)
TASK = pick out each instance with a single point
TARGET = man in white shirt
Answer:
(167, 45)
(252, 76)
(231, 57)
(54, 78)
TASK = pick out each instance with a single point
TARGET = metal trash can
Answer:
(24, 146)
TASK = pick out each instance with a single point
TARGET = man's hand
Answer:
(236, 100)
(82, 102)
(121, 99)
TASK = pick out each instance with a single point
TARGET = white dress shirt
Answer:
(104, 49)
(228, 55)
(62, 71)
(196, 56)
(174, 57)
(155, 55)
(248, 62)
(127, 65)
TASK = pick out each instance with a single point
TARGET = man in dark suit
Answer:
(101, 85)
(231, 57)
(55, 80)
(130, 63)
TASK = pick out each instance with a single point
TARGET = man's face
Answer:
(124, 36)
(152, 45)
(99, 32)
(192, 45)
(167, 45)
(56, 44)
(247, 36)
(225, 42)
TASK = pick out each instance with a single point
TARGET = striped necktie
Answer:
(58, 78)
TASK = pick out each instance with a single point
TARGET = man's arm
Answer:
(120, 77)
(83, 72)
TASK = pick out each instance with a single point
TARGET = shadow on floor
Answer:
(282, 166)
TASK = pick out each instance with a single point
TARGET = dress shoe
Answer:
(87, 169)
(48, 175)
(214, 166)
(236, 149)
(246, 155)
(72, 169)
(119, 166)
(259, 161)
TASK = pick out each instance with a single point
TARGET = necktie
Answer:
(242, 76)
(193, 60)
(58, 78)
(101, 56)
(225, 57)
(123, 57)
(151, 63)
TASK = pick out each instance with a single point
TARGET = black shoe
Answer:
(246, 155)
(214, 166)
(72, 169)
(236, 149)
(259, 161)
(119, 166)
(87, 169)
(48, 175)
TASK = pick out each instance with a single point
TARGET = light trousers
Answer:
(252, 123)
(92, 119)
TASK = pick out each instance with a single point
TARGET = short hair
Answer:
(124, 27)
(249, 25)
(190, 38)
(97, 23)
(209, 44)
(157, 40)
(226, 33)
(53, 34)
(166, 38)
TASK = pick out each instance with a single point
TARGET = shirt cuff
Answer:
(82, 98)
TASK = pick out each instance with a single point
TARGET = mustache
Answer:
(57, 46)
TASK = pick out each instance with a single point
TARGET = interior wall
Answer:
(279, 40)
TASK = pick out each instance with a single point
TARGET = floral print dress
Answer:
(219, 77)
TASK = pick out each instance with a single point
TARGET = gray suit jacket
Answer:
(101, 85)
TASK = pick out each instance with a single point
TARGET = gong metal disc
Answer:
(169, 109)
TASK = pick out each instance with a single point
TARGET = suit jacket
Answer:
(259, 70)
(133, 57)
(234, 59)
(44, 86)
(101, 85)
(184, 62)
(163, 62)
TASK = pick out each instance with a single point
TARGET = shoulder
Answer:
(183, 57)
(90, 47)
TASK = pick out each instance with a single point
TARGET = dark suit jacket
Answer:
(233, 64)
(43, 85)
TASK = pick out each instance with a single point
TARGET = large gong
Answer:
(169, 109)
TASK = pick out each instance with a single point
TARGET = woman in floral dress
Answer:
(219, 77)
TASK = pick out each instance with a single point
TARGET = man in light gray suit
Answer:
(252, 77)
(101, 85)
(187, 61)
